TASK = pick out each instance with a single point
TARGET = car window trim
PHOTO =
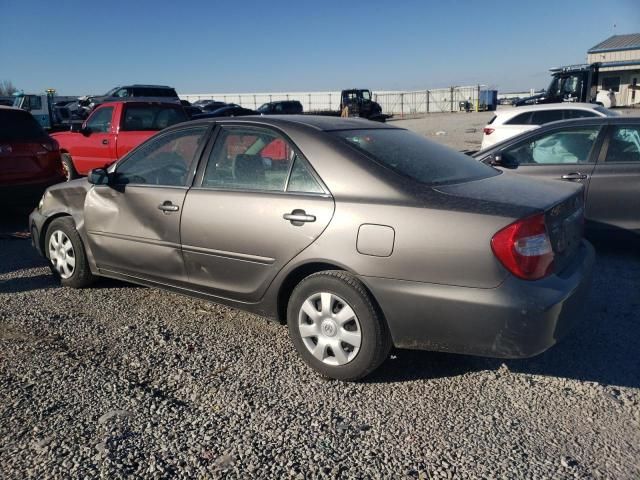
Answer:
(216, 135)
(593, 156)
(192, 172)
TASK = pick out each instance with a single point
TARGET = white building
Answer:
(624, 78)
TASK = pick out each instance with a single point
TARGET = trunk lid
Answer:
(515, 197)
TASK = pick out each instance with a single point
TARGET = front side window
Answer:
(122, 93)
(624, 145)
(166, 160)
(35, 103)
(246, 158)
(413, 156)
(100, 120)
(568, 146)
(151, 117)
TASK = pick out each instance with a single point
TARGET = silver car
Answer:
(360, 236)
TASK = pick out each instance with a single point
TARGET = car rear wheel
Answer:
(66, 254)
(67, 166)
(336, 327)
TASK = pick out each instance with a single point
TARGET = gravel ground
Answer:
(120, 381)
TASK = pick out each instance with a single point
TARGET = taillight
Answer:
(524, 248)
(488, 130)
(51, 145)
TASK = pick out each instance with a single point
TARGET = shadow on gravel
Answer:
(25, 284)
(603, 348)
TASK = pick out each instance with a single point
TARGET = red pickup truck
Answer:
(112, 130)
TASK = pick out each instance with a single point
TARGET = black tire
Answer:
(67, 165)
(375, 341)
(81, 275)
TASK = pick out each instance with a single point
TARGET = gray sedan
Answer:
(603, 154)
(360, 236)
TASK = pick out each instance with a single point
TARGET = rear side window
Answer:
(151, 117)
(249, 159)
(522, 119)
(19, 126)
(624, 145)
(413, 156)
(546, 116)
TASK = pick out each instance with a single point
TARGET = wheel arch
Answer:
(299, 273)
(45, 228)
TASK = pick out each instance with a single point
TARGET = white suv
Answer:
(513, 121)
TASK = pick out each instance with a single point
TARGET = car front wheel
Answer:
(66, 254)
(336, 327)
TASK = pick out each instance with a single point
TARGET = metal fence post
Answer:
(451, 99)
(309, 101)
(427, 101)
(255, 102)
(402, 105)
(478, 100)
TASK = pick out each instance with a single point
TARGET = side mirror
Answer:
(75, 127)
(497, 160)
(98, 176)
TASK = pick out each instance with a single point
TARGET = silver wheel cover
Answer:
(329, 328)
(62, 254)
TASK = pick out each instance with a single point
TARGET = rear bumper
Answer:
(27, 194)
(518, 319)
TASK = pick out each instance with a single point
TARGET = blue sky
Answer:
(81, 47)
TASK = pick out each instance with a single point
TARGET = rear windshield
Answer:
(413, 156)
(152, 117)
(19, 126)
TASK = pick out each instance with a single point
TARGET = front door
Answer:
(257, 205)
(94, 147)
(614, 191)
(561, 154)
(133, 224)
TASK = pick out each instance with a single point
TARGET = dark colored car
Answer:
(213, 106)
(228, 111)
(602, 154)
(29, 158)
(137, 92)
(283, 107)
(359, 235)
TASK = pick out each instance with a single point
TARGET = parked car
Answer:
(214, 105)
(366, 236)
(190, 110)
(514, 121)
(139, 92)
(227, 111)
(29, 159)
(283, 107)
(602, 154)
(111, 131)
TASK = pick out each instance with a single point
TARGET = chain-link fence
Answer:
(401, 104)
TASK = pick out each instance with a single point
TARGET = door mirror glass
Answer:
(75, 127)
(98, 176)
(499, 160)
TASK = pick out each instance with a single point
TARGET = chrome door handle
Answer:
(574, 176)
(168, 207)
(298, 217)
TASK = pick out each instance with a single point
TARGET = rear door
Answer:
(614, 190)
(133, 224)
(567, 153)
(95, 147)
(250, 214)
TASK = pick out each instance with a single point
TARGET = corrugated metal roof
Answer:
(617, 42)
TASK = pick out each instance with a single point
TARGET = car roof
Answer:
(141, 85)
(512, 112)
(139, 102)
(317, 122)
